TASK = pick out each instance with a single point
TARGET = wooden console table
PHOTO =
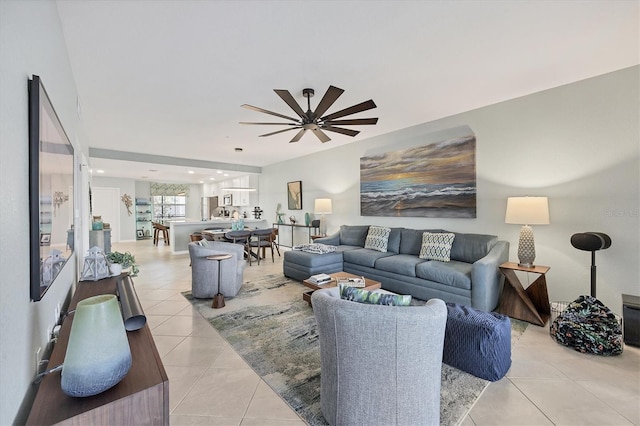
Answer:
(141, 398)
(532, 304)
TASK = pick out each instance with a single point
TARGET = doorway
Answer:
(106, 203)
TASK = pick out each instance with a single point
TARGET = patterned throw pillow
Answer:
(436, 246)
(377, 238)
(203, 243)
(363, 296)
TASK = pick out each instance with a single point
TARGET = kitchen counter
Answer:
(180, 230)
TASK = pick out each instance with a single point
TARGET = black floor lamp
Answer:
(591, 241)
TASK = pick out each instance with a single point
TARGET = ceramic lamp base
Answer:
(526, 247)
(218, 301)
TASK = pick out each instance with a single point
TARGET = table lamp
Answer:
(323, 207)
(527, 211)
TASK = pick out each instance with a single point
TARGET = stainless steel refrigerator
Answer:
(209, 207)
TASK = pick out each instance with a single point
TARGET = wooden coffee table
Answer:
(306, 296)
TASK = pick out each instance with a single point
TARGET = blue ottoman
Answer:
(300, 265)
(477, 342)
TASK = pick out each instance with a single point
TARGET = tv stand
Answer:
(141, 398)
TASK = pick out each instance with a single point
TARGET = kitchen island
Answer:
(180, 230)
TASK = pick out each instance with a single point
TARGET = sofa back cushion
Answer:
(353, 235)
(411, 240)
(393, 245)
(472, 247)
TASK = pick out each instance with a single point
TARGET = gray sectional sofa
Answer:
(471, 277)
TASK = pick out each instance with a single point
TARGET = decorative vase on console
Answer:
(307, 219)
(98, 355)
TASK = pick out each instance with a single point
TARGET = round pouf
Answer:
(588, 326)
(98, 354)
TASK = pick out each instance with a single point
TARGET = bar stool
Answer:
(157, 228)
(196, 236)
(218, 299)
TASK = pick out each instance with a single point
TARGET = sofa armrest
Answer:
(486, 279)
(332, 240)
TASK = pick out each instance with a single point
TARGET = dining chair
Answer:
(264, 240)
(243, 238)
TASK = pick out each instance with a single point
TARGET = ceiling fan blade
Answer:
(353, 121)
(253, 108)
(347, 132)
(331, 95)
(270, 124)
(298, 135)
(363, 106)
(321, 135)
(279, 131)
(286, 96)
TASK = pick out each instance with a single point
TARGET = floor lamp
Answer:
(322, 207)
(527, 211)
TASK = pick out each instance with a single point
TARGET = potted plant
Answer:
(125, 260)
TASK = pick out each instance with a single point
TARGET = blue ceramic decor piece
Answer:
(98, 354)
(307, 219)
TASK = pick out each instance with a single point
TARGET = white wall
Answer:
(577, 144)
(127, 230)
(31, 42)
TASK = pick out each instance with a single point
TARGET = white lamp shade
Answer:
(323, 206)
(527, 211)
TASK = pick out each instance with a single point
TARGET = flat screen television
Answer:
(51, 191)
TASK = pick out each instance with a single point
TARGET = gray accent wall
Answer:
(577, 144)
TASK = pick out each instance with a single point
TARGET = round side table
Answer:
(218, 299)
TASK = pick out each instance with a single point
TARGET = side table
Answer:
(532, 304)
(218, 299)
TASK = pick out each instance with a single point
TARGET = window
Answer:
(166, 207)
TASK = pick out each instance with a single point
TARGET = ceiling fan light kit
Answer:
(315, 120)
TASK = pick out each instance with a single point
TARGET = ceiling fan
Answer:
(316, 121)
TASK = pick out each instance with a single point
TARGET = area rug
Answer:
(274, 330)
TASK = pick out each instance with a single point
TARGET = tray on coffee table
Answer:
(369, 284)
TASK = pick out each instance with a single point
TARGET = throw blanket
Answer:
(315, 248)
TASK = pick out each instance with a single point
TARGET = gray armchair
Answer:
(204, 272)
(380, 365)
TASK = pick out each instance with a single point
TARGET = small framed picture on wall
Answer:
(294, 195)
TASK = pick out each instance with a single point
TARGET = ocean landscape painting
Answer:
(434, 180)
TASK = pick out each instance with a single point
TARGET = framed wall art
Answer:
(294, 195)
(434, 180)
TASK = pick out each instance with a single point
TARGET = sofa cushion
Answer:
(472, 247)
(436, 246)
(353, 235)
(373, 298)
(403, 264)
(411, 240)
(454, 273)
(393, 244)
(364, 257)
(377, 238)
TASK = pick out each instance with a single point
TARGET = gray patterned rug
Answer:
(270, 326)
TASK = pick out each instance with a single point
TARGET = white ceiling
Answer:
(168, 77)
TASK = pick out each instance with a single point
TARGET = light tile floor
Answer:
(211, 385)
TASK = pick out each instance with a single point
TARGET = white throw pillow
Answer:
(377, 238)
(436, 246)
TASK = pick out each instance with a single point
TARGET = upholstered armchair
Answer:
(380, 365)
(204, 272)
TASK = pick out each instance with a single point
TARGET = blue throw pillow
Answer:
(364, 296)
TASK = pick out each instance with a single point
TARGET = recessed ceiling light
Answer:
(191, 172)
(212, 178)
(219, 171)
(226, 174)
(201, 181)
(99, 171)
